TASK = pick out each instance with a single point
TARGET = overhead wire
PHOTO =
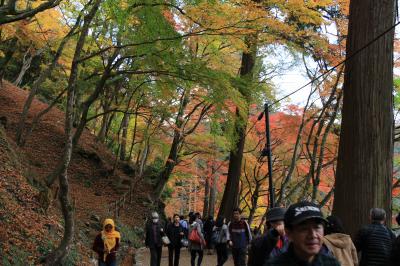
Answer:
(338, 64)
(260, 116)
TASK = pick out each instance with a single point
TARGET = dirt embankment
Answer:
(93, 188)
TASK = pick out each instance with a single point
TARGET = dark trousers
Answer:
(155, 256)
(239, 256)
(222, 254)
(193, 257)
(171, 251)
(111, 263)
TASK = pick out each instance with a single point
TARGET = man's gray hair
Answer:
(154, 215)
(377, 214)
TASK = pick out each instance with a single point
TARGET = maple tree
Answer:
(14, 10)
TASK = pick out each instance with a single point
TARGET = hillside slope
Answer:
(93, 187)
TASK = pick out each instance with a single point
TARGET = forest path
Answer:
(143, 258)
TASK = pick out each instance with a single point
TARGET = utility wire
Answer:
(260, 116)
(337, 65)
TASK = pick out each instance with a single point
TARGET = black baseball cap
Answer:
(302, 211)
(275, 214)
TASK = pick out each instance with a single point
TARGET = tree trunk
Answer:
(364, 171)
(37, 83)
(26, 64)
(56, 256)
(105, 121)
(206, 198)
(213, 194)
(125, 124)
(231, 192)
(173, 152)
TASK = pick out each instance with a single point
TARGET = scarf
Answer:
(109, 238)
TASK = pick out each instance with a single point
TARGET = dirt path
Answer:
(143, 258)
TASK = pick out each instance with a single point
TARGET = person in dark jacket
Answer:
(208, 230)
(175, 233)
(273, 242)
(240, 234)
(396, 247)
(304, 226)
(154, 233)
(106, 244)
(375, 240)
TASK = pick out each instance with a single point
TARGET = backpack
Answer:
(216, 236)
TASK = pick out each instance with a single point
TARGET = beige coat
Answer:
(342, 248)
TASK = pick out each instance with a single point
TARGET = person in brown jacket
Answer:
(340, 244)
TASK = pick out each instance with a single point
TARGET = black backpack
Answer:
(216, 236)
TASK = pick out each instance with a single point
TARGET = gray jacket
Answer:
(224, 235)
(196, 246)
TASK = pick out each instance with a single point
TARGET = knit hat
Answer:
(302, 211)
(275, 214)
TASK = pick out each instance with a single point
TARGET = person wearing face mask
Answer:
(106, 244)
(154, 233)
(304, 226)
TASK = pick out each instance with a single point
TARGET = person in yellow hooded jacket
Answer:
(106, 244)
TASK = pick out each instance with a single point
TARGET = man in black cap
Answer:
(273, 242)
(375, 240)
(304, 226)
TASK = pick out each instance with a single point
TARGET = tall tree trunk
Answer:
(173, 152)
(56, 256)
(105, 121)
(364, 171)
(133, 136)
(125, 124)
(231, 192)
(213, 194)
(206, 197)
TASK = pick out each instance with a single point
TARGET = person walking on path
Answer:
(106, 244)
(240, 234)
(175, 233)
(375, 240)
(340, 244)
(396, 247)
(273, 242)
(208, 231)
(196, 241)
(304, 226)
(221, 237)
(154, 233)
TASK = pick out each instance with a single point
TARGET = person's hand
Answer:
(181, 233)
(230, 243)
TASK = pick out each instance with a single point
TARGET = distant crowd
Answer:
(299, 235)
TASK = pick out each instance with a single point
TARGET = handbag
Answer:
(165, 240)
(194, 236)
(184, 242)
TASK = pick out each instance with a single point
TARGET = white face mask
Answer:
(155, 220)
